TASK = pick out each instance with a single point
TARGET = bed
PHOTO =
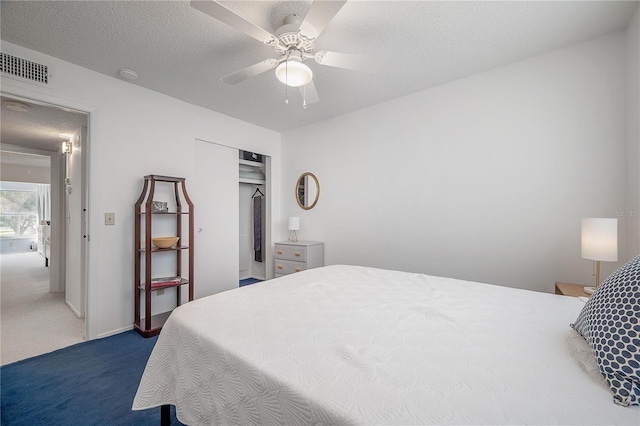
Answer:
(357, 345)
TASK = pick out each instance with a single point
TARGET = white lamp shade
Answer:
(600, 239)
(294, 224)
(294, 73)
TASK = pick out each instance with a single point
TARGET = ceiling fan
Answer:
(294, 43)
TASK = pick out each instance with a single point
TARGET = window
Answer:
(18, 210)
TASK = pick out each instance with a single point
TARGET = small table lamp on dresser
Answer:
(599, 243)
(294, 225)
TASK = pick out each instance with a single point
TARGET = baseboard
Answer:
(74, 310)
(114, 332)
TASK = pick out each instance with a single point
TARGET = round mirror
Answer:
(307, 191)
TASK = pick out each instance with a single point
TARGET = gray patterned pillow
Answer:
(610, 322)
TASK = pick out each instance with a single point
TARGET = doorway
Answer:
(253, 200)
(41, 309)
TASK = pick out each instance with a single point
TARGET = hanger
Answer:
(257, 192)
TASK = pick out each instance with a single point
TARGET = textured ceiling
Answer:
(183, 53)
(39, 128)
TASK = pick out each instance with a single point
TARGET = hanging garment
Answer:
(257, 228)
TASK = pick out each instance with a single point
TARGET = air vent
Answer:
(12, 66)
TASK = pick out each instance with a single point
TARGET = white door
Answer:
(215, 199)
(74, 219)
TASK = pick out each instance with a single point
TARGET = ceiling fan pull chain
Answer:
(304, 97)
(286, 90)
(286, 78)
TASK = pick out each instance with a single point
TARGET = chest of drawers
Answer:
(293, 257)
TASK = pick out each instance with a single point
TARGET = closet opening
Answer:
(253, 201)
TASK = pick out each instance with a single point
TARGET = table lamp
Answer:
(599, 243)
(294, 225)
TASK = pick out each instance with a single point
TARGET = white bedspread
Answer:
(354, 345)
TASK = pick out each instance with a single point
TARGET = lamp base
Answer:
(293, 237)
(589, 290)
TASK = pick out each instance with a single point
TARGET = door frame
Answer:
(88, 258)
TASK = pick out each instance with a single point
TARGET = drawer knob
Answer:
(298, 269)
(280, 267)
(298, 253)
(280, 252)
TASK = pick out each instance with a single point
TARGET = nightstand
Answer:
(298, 256)
(568, 289)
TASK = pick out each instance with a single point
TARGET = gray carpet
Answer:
(33, 320)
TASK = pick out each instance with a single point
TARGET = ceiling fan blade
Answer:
(348, 61)
(251, 71)
(221, 13)
(309, 93)
(319, 16)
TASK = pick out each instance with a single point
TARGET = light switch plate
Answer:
(109, 218)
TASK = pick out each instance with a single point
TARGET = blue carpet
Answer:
(249, 281)
(91, 383)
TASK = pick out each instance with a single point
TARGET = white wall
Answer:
(20, 173)
(485, 178)
(132, 132)
(632, 211)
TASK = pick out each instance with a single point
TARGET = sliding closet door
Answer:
(215, 197)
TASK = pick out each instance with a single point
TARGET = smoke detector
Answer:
(128, 74)
(17, 106)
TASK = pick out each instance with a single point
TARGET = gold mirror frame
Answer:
(300, 181)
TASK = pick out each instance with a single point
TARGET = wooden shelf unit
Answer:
(151, 325)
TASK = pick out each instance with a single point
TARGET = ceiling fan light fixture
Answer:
(294, 73)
